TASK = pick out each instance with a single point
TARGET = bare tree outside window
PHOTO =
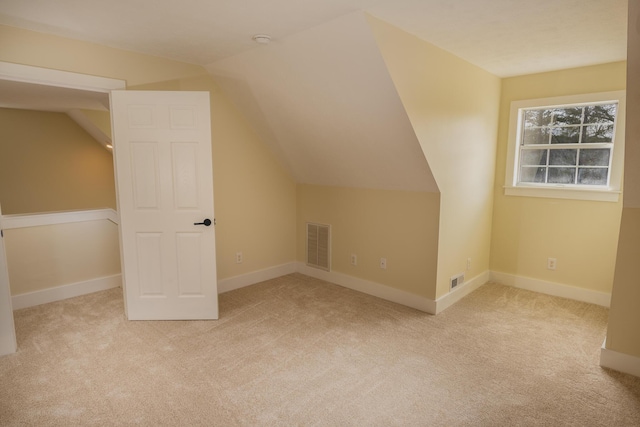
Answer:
(567, 145)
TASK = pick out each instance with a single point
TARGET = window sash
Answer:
(604, 193)
(578, 169)
(540, 138)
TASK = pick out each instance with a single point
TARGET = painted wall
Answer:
(624, 316)
(581, 235)
(101, 119)
(48, 163)
(55, 255)
(453, 107)
(42, 50)
(401, 226)
(322, 99)
(254, 196)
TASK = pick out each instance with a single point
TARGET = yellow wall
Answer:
(401, 226)
(624, 316)
(42, 50)
(581, 235)
(453, 107)
(55, 255)
(48, 163)
(254, 197)
(101, 119)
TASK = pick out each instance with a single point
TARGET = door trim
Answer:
(57, 78)
(8, 343)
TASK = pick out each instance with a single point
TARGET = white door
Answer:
(164, 181)
(7, 329)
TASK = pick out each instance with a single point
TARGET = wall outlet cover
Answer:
(456, 281)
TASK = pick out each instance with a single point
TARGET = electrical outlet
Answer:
(354, 259)
(239, 258)
(551, 263)
(383, 263)
(468, 264)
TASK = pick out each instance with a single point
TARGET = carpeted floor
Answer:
(299, 351)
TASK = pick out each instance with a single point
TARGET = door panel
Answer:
(145, 174)
(189, 254)
(185, 167)
(162, 153)
(150, 264)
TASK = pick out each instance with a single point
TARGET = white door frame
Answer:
(8, 343)
(56, 78)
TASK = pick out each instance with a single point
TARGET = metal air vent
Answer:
(318, 246)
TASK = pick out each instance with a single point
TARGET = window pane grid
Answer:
(567, 145)
(587, 167)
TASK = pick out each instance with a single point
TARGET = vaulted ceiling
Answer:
(505, 37)
(325, 103)
(320, 94)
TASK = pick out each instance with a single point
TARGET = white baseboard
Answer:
(365, 286)
(619, 361)
(460, 292)
(237, 282)
(65, 291)
(95, 285)
(551, 288)
(372, 288)
(361, 285)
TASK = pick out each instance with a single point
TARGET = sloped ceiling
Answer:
(81, 105)
(319, 94)
(516, 37)
(505, 37)
(325, 103)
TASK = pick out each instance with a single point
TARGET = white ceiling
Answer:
(324, 102)
(516, 37)
(320, 94)
(505, 37)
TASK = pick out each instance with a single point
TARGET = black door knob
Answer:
(206, 222)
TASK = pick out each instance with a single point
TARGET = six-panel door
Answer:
(162, 154)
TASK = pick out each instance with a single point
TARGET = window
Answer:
(567, 147)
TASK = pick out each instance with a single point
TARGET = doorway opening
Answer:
(37, 89)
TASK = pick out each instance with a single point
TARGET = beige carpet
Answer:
(299, 351)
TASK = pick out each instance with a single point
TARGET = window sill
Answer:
(565, 193)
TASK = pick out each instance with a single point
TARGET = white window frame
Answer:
(610, 193)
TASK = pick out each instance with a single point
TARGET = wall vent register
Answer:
(319, 246)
